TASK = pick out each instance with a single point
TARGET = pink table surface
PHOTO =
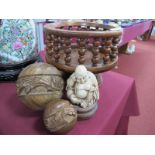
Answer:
(118, 101)
(135, 30)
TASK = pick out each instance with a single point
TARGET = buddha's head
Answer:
(81, 74)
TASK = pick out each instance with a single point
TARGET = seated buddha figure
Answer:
(82, 87)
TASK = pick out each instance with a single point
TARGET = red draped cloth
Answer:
(118, 101)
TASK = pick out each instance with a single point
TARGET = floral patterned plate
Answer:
(17, 41)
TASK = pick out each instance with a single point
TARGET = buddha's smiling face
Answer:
(81, 79)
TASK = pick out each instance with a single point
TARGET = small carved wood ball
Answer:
(59, 116)
(38, 84)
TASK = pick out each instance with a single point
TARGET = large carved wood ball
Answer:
(38, 84)
(60, 116)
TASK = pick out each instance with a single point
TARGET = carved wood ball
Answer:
(38, 84)
(59, 116)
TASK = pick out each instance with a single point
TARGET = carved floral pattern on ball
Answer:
(59, 116)
(39, 84)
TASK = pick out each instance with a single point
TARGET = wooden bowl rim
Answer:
(53, 29)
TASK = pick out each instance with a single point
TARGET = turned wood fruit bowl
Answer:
(69, 44)
(38, 84)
